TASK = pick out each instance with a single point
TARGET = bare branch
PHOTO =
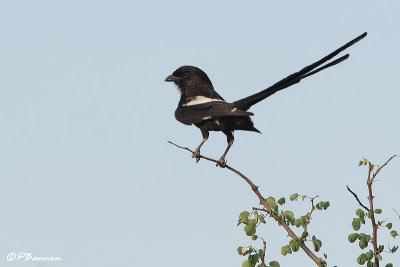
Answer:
(381, 167)
(371, 206)
(358, 200)
(263, 202)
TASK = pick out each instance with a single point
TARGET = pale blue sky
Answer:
(86, 172)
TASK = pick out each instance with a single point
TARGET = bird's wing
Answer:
(192, 114)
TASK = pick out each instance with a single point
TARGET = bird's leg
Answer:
(229, 138)
(196, 153)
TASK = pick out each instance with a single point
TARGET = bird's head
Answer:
(186, 78)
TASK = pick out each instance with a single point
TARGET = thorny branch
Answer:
(373, 221)
(263, 202)
(371, 176)
(371, 206)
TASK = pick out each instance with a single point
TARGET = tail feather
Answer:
(247, 102)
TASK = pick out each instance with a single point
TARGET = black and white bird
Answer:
(202, 106)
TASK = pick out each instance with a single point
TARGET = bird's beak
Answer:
(172, 78)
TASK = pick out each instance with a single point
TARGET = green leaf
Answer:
(378, 211)
(304, 235)
(271, 203)
(256, 216)
(246, 264)
(362, 236)
(239, 250)
(253, 259)
(368, 238)
(281, 201)
(316, 243)
(244, 214)
(261, 218)
(274, 264)
(370, 264)
(364, 161)
(295, 244)
(369, 255)
(362, 259)
(297, 223)
(286, 250)
(305, 219)
(289, 216)
(381, 248)
(394, 249)
(363, 243)
(294, 196)
(254, 237)
(353, 237)
(393, 233)
(389, 225)
(356, 224)
(369, 214)
(360, 213)
(250, 229)
(389, 265)
(323, 205)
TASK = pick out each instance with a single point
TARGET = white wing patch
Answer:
(197, 100)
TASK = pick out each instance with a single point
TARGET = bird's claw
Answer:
(196, 155)
(221, 163)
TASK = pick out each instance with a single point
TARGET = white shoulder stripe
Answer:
(197, 100)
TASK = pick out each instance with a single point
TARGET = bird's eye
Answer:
(186, 74)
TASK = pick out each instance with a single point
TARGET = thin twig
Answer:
(263, 202)
(397, 213)
(312, 205)
(254, 208)
(358, 200)
(381, 167)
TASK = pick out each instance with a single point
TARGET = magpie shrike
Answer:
(202, 106)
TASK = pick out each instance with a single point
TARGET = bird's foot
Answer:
(221, 163)
(196, 155)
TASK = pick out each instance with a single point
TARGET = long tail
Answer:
(247, 102)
